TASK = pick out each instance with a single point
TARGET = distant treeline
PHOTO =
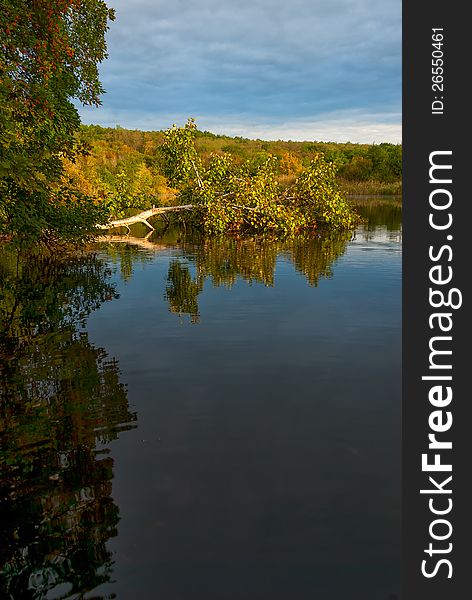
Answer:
(126, 163)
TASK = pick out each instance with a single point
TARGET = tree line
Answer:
(123, 159)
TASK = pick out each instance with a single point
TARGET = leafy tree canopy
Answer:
(50, 55)
(248, 197)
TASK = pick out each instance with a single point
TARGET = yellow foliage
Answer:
(290, 164)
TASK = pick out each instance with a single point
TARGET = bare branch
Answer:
(143, 216)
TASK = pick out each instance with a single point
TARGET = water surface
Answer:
(215, 419)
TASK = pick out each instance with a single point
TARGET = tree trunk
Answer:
(143, 217)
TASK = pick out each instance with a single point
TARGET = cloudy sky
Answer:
(271, 69)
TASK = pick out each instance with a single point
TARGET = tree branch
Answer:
(143, 216)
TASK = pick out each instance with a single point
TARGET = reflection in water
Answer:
(224, 260)
(182, 290)
(267, 416)
(128, 255)
(60, 398)
(270, 431)
(380, 213)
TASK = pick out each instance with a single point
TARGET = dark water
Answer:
(189, 419)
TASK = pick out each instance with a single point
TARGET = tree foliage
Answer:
(249, 197)
(178, 153)
(49, 58)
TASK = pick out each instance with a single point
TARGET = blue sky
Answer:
(271, 69)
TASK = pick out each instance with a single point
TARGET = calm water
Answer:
(188, 419)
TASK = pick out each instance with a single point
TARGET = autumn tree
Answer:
(50, 51)
(248, 198)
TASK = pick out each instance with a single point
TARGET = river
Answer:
(218, 419)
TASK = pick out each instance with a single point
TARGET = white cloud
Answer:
(341, 126)
(265, 63)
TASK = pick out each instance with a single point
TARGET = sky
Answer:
(271, 69)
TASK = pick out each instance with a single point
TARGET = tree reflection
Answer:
(182, 290)
(223, 261)
(380, 213)
(61, 400)
(127, 256)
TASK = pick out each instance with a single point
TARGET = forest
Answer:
(125, 159)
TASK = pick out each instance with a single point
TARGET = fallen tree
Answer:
(143, 217)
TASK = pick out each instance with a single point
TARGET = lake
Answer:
(218, 419)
